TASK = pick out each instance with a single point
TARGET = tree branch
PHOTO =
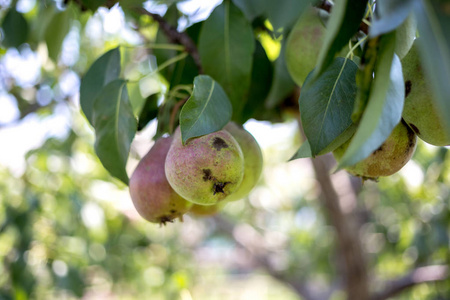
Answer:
(415, 277)
(253, 246)
(176, 37)
(350, 248)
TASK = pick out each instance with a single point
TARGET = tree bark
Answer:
(349, 245)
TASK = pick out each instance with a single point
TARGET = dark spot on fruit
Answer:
(172, 211)
(219, 186)
(414, 128)
(165, 219)
(207, 174)
(379, 149)
(408, 86)
(218, 143)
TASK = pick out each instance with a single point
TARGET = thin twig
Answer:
(415, 277)
(174, 112)
(176, 37)
(261, 256)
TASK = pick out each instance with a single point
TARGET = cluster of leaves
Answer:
(50, 26)
(359, 95)
(41, 212)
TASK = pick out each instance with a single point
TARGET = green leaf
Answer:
(103, 70)
(305, 148)
(194, 31)
(226, 46)
(433, 21)
(115, 127)
(251, 8)
(390, 15)
(207, 110)
(282, 83)
(262, 73)
(15, 29)
(93, 4)
(344, 22)
(185, 70)
(56, 31)
(284, 13)
(303, 152)
(326, 104)
(40, 23)
(149, 111)
(384, 110)
(136, 99)
(163, 55)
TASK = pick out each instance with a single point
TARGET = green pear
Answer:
(405, 35)
(420, 111)
(388, 159)
(253, 160)
(303, 45)
(152, 196)
(206, 169)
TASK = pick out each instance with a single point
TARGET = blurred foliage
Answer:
(68, 229)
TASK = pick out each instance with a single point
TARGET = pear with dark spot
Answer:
(207, 169)
(151, 193)
(253, 160)
(420, 110)
(388, 159)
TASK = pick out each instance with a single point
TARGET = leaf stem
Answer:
(350, 52)
(175, 110)
(164, 65)
(171, 61)
(182, 87)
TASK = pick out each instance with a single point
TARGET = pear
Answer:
(388, 159)
(206, 169)
(303, 45)
(253, 160)
(152, 196)
(405, 35)
(420, 111)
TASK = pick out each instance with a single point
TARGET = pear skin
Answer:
(420, 111)
(206, 169)
(253, 160)
(303, 45)
(152, 196)
(388, 159)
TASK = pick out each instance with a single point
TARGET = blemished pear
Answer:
(152, 196)
(420, 111)
(388, 159)
(206, 169)
(253, 160)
